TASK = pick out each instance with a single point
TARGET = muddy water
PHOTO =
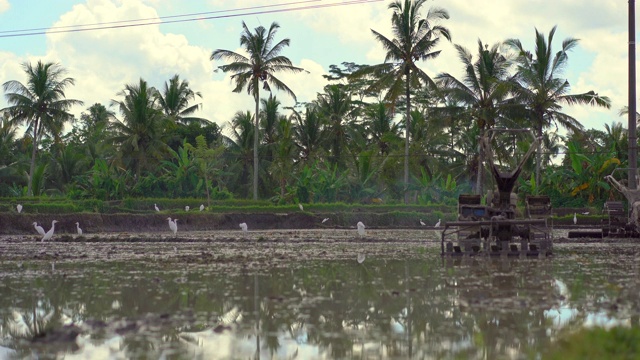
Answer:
(308, 294)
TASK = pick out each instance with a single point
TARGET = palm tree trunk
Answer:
(206, 186)
(480, 165)
(32, 167)
(538, 156)
(256, 131)
(406, 140)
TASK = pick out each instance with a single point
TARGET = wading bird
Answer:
(325, 220)
(438, 223)
(244, 227)
(78, 228)
(422, 223)
(173, 225)
(186, 208)
(201, 207)
(361, 231)
(19, 208)
(38, 228)
(156, 207)
(301, 207)
(575, 219)
(49, 233)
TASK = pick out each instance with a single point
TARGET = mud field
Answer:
(229, 249)
(307, 294)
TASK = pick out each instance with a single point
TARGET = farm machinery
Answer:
(492, 228)
(618, 221)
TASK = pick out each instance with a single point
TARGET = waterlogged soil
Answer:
(230, 249)
(312, 294)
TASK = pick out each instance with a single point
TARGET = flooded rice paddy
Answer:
(301, 294)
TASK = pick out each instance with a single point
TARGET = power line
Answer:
(152, 19)
(256, 10)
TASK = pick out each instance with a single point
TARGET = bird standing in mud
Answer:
(575, 219)
(19, 208)
(438, 223)
(422, 223)
(244, 227)
(38, 228)
(49, 233)
(360, 226)
(301, 207)
(201, 207)
(78, 228)
(173, 225)
(156, 207)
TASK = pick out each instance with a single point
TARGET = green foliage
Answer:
(597, 343)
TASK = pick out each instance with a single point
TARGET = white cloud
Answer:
(104, 61)
(4, 6)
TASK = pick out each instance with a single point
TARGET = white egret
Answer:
(422, 223)
(156, 207)
(49, 233)
(585, 213)
(78, 228)
(325, 220)
(301, 207)
(19, 208)
(361, 231)
(244, 227)
(38, 228)
(201, 207)
(173, 225)
(575, 219)
(361, 258)
(186, 208)
(438, 223)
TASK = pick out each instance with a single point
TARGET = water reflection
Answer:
(422, 308)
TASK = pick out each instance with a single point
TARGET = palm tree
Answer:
(483, 91)
(379, 125)
(308, 133)
(40, 104)
(543, 92)
(175, 99)
(414, 39)
(239, 146)
(334, 109)
(141, 130)
(248, 72)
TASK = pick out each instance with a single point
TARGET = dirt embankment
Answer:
(15, 224)
(22, 224)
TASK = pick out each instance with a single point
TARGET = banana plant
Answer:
(587, 177)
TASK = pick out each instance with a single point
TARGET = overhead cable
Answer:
(212, 15)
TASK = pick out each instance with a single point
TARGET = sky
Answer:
(322, 33)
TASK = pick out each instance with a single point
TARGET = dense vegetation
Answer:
(381, 133)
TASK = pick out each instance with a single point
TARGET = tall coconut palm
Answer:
(239, 148)
(483, 91)
(380, 126)
(175, 101)
(308, 133)
(263, 61)
(334, 108)
(543, 91)
(140, 132)
(40, 104)
(415, 38)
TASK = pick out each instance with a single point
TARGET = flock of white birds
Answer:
(173, 224)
